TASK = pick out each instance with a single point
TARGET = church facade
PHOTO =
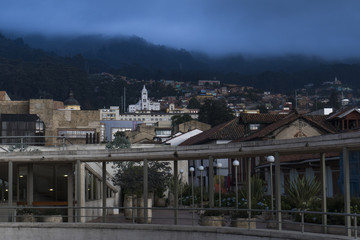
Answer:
(144, 104)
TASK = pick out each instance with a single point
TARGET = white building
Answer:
(144, 104)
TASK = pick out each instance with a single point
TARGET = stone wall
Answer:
(14, 107)
(74, 119)
(193, 124)
(297, 129)
(44, 108)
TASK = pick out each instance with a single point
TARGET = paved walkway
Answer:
(159, 216)
(165, 216)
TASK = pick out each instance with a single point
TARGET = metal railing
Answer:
(294, 220)
(32, 143)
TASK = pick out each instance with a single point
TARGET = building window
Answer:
(39, 129)
(76, 133)
(163, 133)
(93, 186)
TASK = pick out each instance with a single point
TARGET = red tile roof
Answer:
(316, 121)
(237, 129)
(341, 113)
(230, 130)
(260, 118)
(234, 129)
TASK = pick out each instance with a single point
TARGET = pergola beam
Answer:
(319, 144)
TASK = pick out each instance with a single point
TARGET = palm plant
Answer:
(302, 192)
(257, 189)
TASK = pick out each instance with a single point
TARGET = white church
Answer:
(144, 104)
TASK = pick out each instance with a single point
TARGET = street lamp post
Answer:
(192, 192)
(201, 169)
(219, 165)
(271, 159)
(181, 178)
(236, 165)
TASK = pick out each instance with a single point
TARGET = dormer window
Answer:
(254, 127)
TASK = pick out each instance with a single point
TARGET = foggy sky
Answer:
(327, 28)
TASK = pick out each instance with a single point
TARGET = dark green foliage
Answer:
(187, 195)
(263, 109)
(129, 175)
(178, 119)
(27, 73)
(333, 100)
(302, 192)
(213, 213)
(193, 104)
(119, 142)
(215, 112)
(239, 213)
(257, 190)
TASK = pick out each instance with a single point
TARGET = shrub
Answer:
(240, 213)
(213, 213)
(302, 192)
(257, 190)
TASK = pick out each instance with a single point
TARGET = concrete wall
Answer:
(98, 231)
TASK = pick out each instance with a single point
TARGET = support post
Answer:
(30, 184)
(192, 195)
(10, 188)
(211, 181)
(347, 190)
(87, 181)
(323, 190)
(271, 190)
(236, 188)
(248, 180)
(78, 190)
(92, 197)
(104, 192)
(70, 191)
(176, 193)
(145, 193)
(278, 190)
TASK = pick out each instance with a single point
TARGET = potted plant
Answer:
(240, 218)
(129, 175)
(25, 215)
(50, 215)
(214, 218)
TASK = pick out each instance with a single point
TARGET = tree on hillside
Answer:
(215, 112)
(120, 141)
(193, 104)
(262, 108)
(333, 100)
(178, 119)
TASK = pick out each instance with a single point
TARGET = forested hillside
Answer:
(29, 73)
